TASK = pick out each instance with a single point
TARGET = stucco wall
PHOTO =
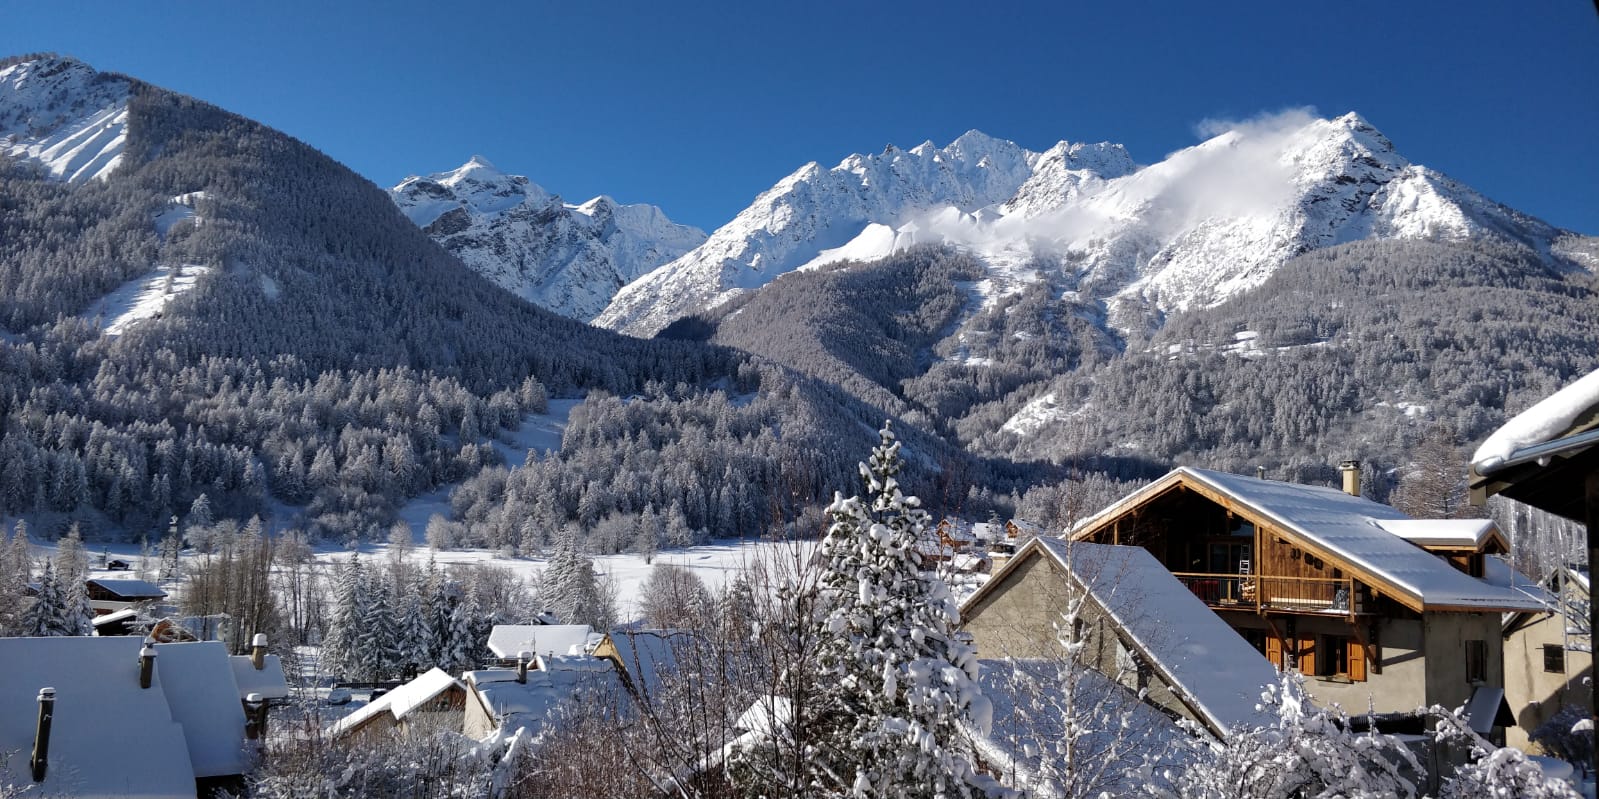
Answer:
(1534, 694)
(1446, 635)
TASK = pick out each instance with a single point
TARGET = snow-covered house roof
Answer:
(509, 640)
(1553, 420)
(268, 681)
(643, 656)
(1210, 668)
(1336, 525)
(109, 738)
(198, 682)
(129, 589)
(534, 704)
(399, 702)
(1031, 715)
(1544, 455)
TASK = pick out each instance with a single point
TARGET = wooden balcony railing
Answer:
(1334, 596)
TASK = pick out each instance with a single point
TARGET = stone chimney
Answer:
(258, 648)
(1351, 472)
(146, 665)
(41, 733)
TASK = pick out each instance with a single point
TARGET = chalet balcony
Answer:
(1320, 595)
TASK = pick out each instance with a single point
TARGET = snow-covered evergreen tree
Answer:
(570, 587)
(344, 615)
(901, 682)
(457, 644)
(71, 572)
(49, 614)
(377, 635)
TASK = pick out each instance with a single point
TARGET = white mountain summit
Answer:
(1190, 231)
(568, 258)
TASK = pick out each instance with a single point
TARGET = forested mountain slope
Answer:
(327, 359)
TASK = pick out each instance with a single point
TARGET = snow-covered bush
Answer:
(1566, 737)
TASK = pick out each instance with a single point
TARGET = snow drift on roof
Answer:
(1576, 405)
(110, 738)
(1220, 674)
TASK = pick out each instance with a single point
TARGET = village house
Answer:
(1549, 656)
(1133, 622)
(432, 701)
(1377, 609)
(108, 595)
(531, 696)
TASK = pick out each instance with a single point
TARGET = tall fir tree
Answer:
(71, 571)
(902, 683)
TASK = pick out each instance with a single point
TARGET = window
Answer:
(1335, 656)
(1476, 661)
(1554, 658)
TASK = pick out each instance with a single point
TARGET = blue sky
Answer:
(697, 107)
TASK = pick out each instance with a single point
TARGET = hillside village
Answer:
(1174, 630)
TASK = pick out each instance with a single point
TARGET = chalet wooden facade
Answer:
(1376, 608)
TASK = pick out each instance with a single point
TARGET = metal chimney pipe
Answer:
(146, 665)
(1351, 471)
(41, 733)
(1260, 472)
(522, 659)
(254, 717)
(258, 647)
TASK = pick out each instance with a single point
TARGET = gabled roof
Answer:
(110, 738)
(1335, 525)
(509, 640)
(199, 687)
(1210, 668)
(643, 655)
(1544, 456)
(399, 702)
(129, 588)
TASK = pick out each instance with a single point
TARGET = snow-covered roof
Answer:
(1030, 715)
(509, 640)
(130, 589)
(1573, 409)
(268, 681)
(199, 687)
(1443, 533)
(398, 702)
(110, 738)
(115, 616)
(645, 654)
(989, 530)
(1348, 527)
(535, 704)
(1208, 665)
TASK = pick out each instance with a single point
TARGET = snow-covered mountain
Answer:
(1201, 225)
(570, 259)
(817, 209)
(63, 115)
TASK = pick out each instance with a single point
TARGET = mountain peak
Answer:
(58, 112)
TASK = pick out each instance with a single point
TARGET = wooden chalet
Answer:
(107, 595)
(1374, 606)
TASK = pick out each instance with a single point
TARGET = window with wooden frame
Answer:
(1342, 656)
(1476, 661)
(1554, 658)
